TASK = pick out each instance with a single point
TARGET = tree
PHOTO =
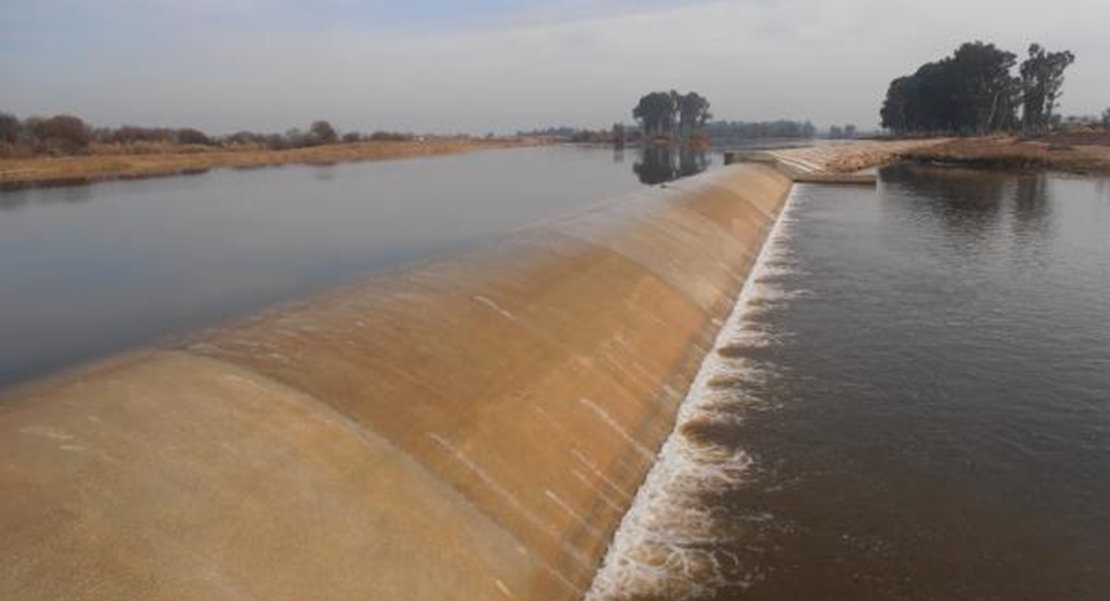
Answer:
(984, 87)
(850, 131)
(9, 128)
(1106, 118)
(246, 138)
(971, 91)
(835, 133)
(276, 142)
(693, 113)
(618, 135)
(323, 132)
(1042, 77)
(188, 135)
(656, 112)
(62, 134)
(295, 138)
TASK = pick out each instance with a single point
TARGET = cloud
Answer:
(550, 63)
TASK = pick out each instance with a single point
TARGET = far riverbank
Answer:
(88, 168)
(1080, 154)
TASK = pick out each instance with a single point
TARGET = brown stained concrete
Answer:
(178, 477)
(471, 429)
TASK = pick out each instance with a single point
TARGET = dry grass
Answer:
(44, 170)
(864, 155)
(850, 157)
(1017, 154)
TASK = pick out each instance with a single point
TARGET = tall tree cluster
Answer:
(974, 91)
(671, 113)
(1042, 76)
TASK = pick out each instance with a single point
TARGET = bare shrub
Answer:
(188, 135)
(61, 134)
(9, 128)
(323, 133)
(391, 136)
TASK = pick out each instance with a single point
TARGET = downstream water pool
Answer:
(913, 403)
(89, 270)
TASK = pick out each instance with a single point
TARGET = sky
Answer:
(500, 66)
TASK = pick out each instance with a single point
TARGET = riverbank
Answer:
(87, 168)
(1082, 155)
(850, 157)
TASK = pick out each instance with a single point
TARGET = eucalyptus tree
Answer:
(693, 113)
(1042, 80)
(656, 112)
(986, 91)
(972, 91)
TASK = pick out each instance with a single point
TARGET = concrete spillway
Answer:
(472, 429)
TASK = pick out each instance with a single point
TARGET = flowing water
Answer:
(911, 401)
(89, 270)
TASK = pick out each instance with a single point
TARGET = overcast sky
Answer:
(501, 65)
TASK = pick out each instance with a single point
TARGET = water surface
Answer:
(89, 270)
(913, 404)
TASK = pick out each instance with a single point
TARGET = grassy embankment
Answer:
(1078, 153)
(92, 167)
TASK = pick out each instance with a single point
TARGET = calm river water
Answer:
(89, 270)
(915, 404)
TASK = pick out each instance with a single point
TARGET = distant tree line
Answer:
(975, 91)
(671, 115)
(617, 135)
(620, 134)
(734, 130)
(68, 135)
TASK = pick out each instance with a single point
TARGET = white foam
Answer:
(668, 543)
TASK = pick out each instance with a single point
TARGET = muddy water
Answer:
(912, 402)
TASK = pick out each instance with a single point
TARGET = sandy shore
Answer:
(75, 169)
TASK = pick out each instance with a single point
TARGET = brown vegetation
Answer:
(1072, 153)
(101, 163)
(64, 149)
(847, 158)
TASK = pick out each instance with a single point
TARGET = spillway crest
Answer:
(475, 428)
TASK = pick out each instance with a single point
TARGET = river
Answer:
(92, 270)
(912, 402)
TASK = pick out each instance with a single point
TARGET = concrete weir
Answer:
(471, 429)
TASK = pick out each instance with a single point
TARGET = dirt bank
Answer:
(1085, 155)
(850, 156)
(77, 169)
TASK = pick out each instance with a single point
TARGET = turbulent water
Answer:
(910, 401)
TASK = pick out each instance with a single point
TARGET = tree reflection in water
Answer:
(661, 164)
